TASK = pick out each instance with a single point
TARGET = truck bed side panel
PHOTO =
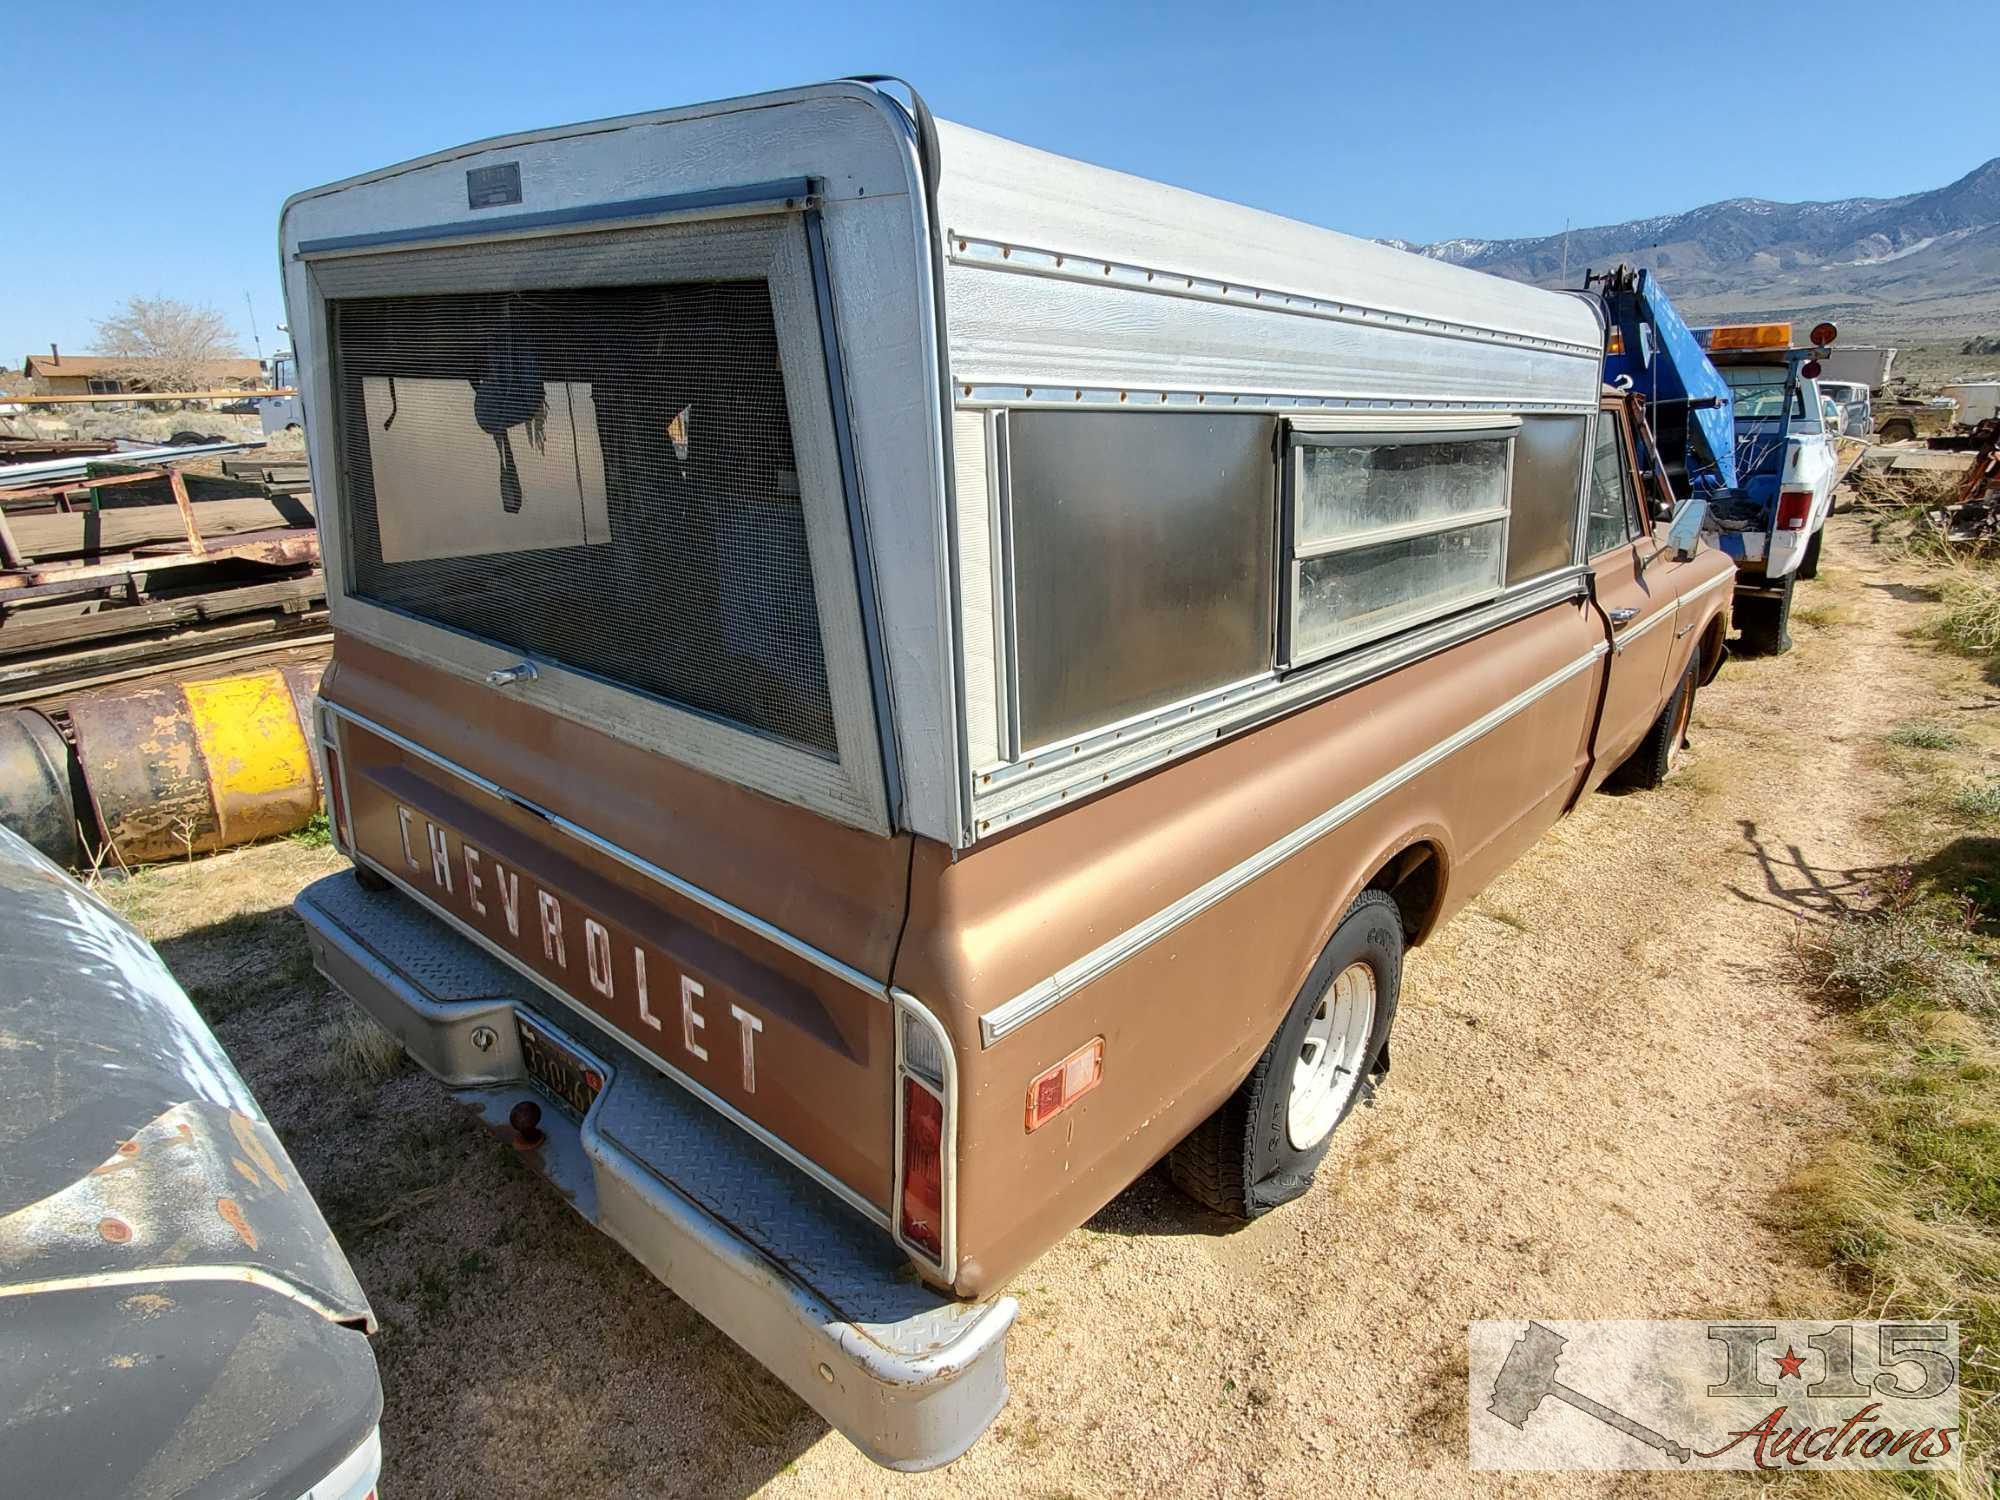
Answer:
(1185, 1015)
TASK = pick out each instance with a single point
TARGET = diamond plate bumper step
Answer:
(807, 1285)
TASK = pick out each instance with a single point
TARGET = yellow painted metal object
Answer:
(193, 766)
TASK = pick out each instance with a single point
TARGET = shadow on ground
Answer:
(521, 1351)
(1792, 882)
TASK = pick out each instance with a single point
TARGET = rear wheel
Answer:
(1766, 622)
(1660, 751)
(1809, 564)
(1261, 1148)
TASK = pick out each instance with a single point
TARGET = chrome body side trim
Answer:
(770, 932)
(978, 395)
(1632, 633)
(1714, 583)
(356, 1476)
(1041, 997)
(994, 255)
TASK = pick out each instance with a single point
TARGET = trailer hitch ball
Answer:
(526, 1118)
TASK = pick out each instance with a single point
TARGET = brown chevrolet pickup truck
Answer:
(887, 681)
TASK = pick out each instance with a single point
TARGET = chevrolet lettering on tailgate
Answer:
(529, 921)
(603, 958)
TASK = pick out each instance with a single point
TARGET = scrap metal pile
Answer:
(132, 585)
(1961, 498)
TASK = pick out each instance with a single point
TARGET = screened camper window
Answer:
(602, 477)
(1142, 547)
(1388, 529)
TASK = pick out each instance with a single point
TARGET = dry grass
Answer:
(1913, 493)
(755, 1403)
(355, 1048)
(1823, 614)
(1970, 619)
(1904, 1206)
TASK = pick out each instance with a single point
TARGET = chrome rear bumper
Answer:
(808, 1286)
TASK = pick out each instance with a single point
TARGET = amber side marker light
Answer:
(1057, 1088)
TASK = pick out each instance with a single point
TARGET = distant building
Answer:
(57, 374)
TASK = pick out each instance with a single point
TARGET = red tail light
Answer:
(1794, 506)
(923, 1167)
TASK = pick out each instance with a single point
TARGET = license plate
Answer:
(560, 1073)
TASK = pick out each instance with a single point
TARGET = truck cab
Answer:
(1854, 403)
(1787, 469)
(278, 414)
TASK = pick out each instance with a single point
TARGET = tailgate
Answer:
(758, 1022)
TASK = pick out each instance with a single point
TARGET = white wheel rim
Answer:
(1331, 1056)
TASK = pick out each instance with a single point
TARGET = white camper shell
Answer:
(945, 307)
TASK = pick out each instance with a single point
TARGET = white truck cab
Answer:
(1787, 466)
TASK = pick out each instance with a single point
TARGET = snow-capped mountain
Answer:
(1923, 261)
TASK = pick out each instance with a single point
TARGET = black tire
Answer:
(1651, 764)
(1766, 624)
(368, 880)
(1809, 564)
(1240, 1160)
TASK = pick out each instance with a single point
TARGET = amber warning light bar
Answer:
(1746, 336)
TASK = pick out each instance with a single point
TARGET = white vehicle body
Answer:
(1865, 364)
(1977, 400)
(1856, 404)
(1807, 466)
(278, 413)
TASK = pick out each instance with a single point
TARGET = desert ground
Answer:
(1607, 1076)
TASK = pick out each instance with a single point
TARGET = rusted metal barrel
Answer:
(39, 789)
(198, 765)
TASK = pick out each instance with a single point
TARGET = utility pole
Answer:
(256, 341)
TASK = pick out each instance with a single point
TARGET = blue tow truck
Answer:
(1737, 425)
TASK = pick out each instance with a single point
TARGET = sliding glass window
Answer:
(1385, 530)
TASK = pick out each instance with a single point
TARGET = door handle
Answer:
(1624, 616)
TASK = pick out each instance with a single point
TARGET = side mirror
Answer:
(1684, 535)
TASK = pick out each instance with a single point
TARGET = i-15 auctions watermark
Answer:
(1786, 1394)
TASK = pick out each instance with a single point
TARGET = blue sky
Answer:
(151, 145)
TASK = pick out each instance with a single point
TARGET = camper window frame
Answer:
(1011, 783)
(767, 243)
(1296, 437)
